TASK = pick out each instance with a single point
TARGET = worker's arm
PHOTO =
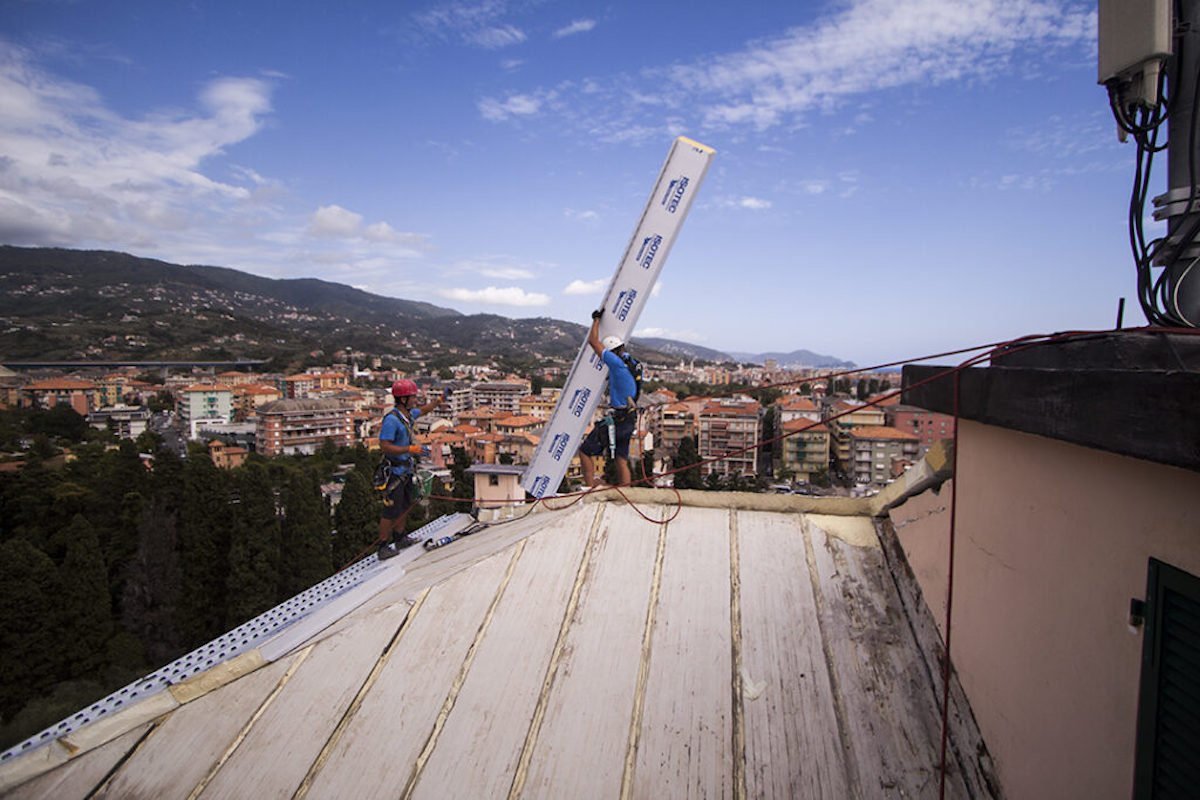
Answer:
(393, 449)
(594, 333)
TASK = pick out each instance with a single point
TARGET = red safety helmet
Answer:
(404, 388)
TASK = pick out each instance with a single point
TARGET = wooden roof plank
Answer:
(889, 712)
(685, 747)
(374, 756)
(189, 742)
(792, 744)
(477, 752)
(581, 748)
(81, 775)
(277, 752)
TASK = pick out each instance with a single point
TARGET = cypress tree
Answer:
(85, 603)
(687, 455)
(30, 656)
(356, 519)
(306, 551)
(204, 525)
(253, 547)
(150, 594)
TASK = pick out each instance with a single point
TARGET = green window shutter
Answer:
(1167, 761)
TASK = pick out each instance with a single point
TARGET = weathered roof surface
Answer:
(585, 652)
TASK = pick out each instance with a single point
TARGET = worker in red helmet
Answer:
(400, 448)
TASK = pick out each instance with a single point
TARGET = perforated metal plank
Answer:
(685, 747)
(582, 746)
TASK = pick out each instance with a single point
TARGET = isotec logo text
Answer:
(579, 401)
(675, 190)
(624, 303)
(540, 484)
(596, 362)
(648, 250)
(559, 445)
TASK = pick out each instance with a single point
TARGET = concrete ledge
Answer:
(751, 501)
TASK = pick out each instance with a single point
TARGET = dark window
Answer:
(1168, 731)
(493, 480)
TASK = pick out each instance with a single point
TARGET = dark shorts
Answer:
(398, 498)
(596, 443)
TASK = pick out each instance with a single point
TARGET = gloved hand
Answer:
(598, 313)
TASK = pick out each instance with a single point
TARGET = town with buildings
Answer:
(815, 435)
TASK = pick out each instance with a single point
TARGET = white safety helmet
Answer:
(611, 342)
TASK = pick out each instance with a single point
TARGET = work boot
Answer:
(407, 541)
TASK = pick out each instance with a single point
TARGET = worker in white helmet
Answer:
(612, 433)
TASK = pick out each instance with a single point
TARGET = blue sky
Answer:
(893, 178)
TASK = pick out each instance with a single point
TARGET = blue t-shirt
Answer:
(621, 385)
(395, 431)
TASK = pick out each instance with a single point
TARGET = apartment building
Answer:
(299, 386)
(248, 398)
(518, 425)
(877, 451)
(204, 402)
(804, 448)
(928, 426)
(849, 415)
(670, 424)
(302, 426)
(125, 421)
(80, 396)
(729, 428)
(539, 405)
(501, 396)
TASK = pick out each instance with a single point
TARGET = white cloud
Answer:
(507, 273)
(494, 38)
(507, 296)
(755, 203)
(881, 44)
(578, 26)
(584, 287)
(585, 216)
(515, 105)
(76, 173)
(860, 47)
(335, 222)
(678, 334)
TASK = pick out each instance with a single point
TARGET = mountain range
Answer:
(59, 304)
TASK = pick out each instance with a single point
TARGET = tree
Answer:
(29, 654)
(85, 603)
(204, 525)
(306, 556)
(253, 546)
(464, 487)
(60, 421)
(356, 520)
(151, 585)
(687, 455)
